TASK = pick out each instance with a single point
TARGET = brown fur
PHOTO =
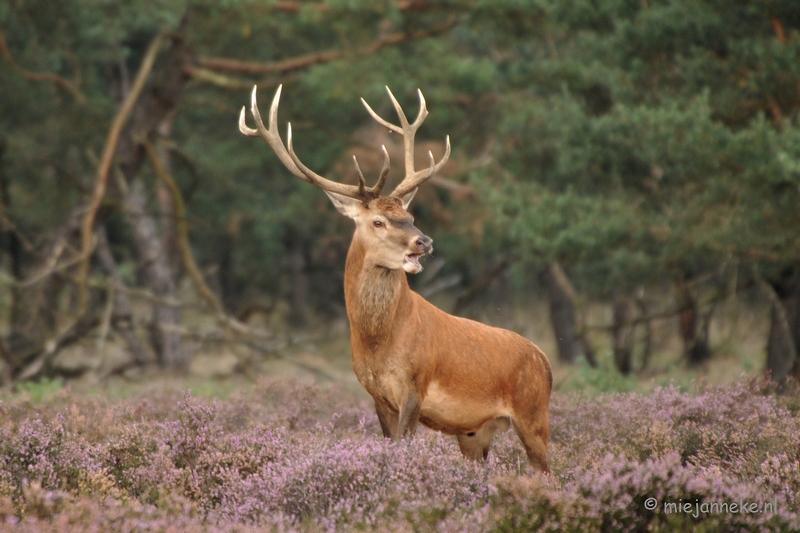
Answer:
(451, 374)
(420, 364)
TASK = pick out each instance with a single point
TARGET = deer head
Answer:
(383, 223)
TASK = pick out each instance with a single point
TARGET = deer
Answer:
(420, 364)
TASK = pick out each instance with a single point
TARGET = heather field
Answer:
(292, 455)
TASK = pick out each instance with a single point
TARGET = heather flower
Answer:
(290, 455)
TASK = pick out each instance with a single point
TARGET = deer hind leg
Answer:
(533, 431)
(476, 445)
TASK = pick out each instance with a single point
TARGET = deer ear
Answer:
(408, 197)
(344, 204)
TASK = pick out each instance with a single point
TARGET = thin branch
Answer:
(249, 67)
(75, 329)
(122, 313)
(52, 266)
(295, 6)
(39, 76)
(108, 156)
(227, 82)
(642, 319)
(294, 63)
(780, 33)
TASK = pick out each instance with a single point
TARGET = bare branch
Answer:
(294, 6)
(108, 155)
(294, 63)
(71, 87)
(122, 310)
(249, 67)
(226, 82)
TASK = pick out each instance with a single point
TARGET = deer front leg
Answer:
(388, 419)
(409, 415)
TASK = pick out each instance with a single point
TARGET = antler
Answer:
(293, 163)
(412, 179)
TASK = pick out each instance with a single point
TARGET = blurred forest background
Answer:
(623, 189)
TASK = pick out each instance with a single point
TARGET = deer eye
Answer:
(377, 224)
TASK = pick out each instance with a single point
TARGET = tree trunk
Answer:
(647, 344)
(623, 334)
(693, 329)
(561, 297)
(166, 209)
(228, 284)
(784, 331)
(159, 276)
(299, 286)
(154, 109)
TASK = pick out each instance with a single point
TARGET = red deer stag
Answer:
(418, 363)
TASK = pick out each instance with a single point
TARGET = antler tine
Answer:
(384, 172)
(412, 179)
(379, 120)
(400, 113)
(362, 183)
(288, 157)
(418, 178)
(310, 176)
(250, 132)
(375, 190)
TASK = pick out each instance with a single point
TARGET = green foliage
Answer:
(40, 390)
(651, 138)
(588, 380)
(625, 139)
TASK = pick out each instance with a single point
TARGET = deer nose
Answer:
(424, 244)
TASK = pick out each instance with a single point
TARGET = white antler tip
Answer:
(243, 124)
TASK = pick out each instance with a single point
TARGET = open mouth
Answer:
(414, 259)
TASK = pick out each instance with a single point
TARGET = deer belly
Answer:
(455, 415)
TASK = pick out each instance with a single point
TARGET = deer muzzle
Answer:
(421, 245)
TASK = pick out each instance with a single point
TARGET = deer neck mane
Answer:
(372, 293)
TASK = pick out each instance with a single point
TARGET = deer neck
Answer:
(373, 295)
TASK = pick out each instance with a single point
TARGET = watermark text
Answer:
(698, 508)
